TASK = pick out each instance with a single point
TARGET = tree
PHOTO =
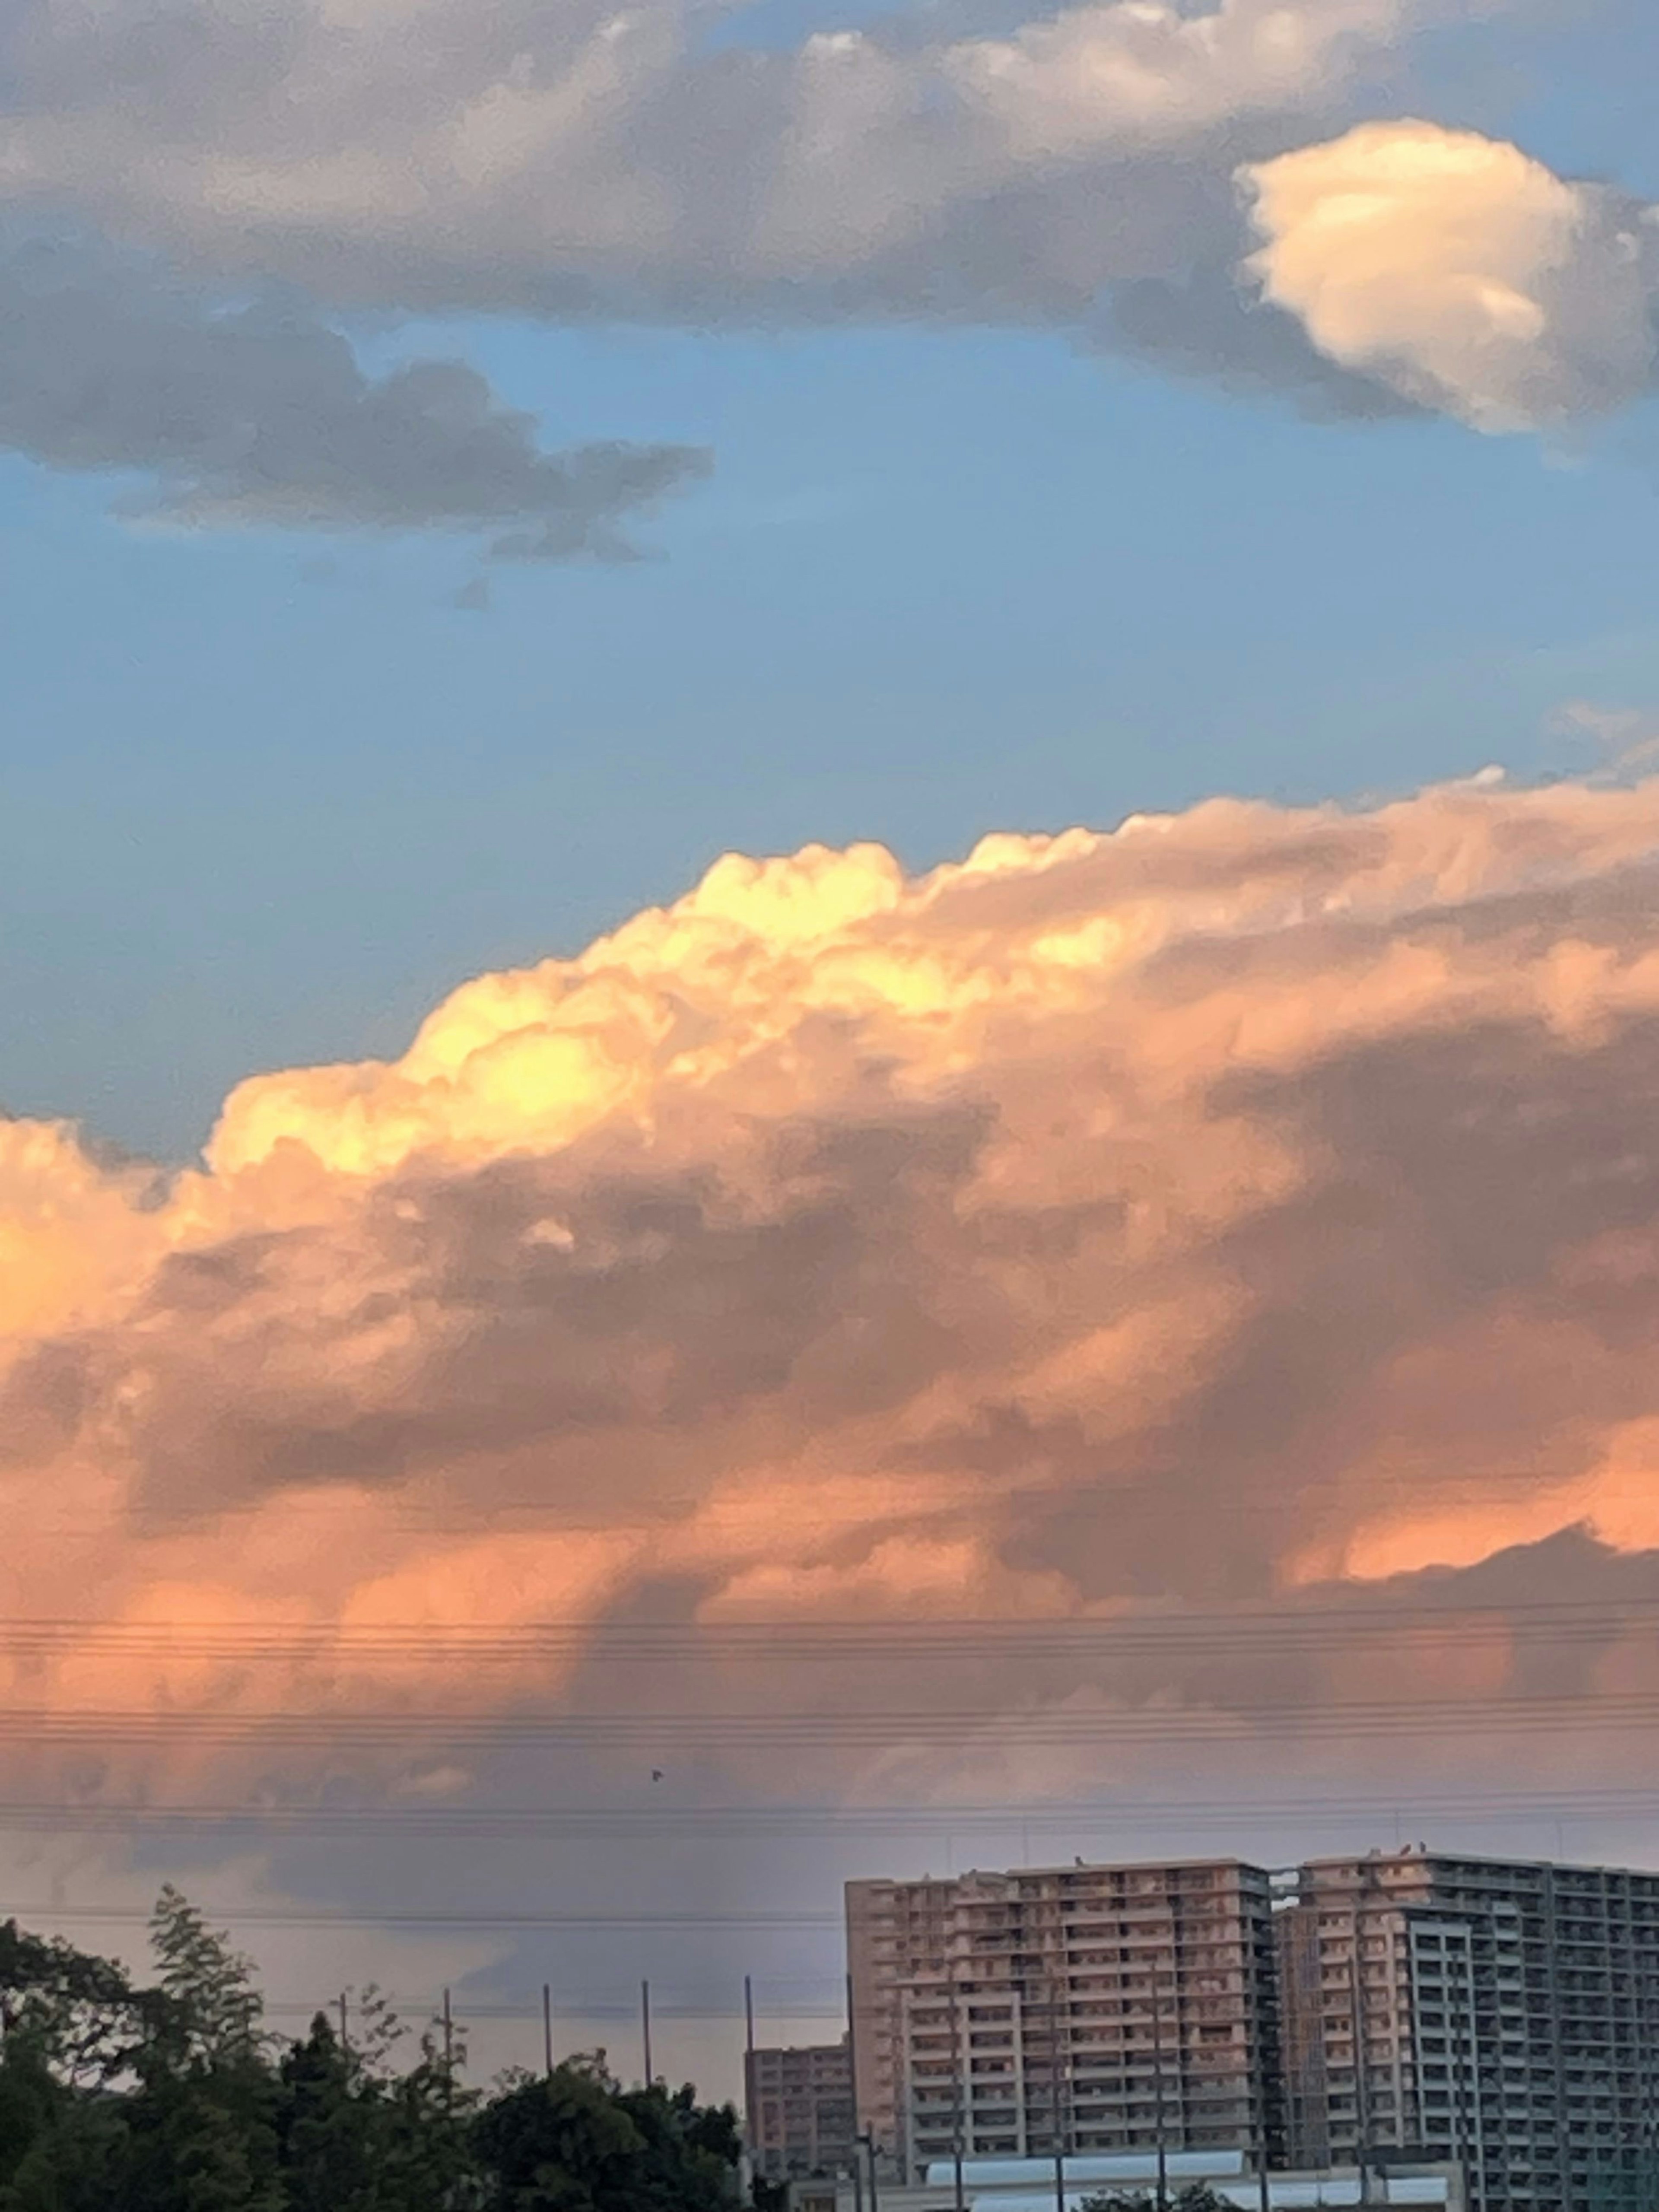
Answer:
(691, 2152)
(427, 2160)
(576, 2141)
(216, 2010)
(79, 2014)
(561, 2144)
(70, 2027)
(325, 2130)
(200, 2132)
(1196, 2197)
(175, 2097)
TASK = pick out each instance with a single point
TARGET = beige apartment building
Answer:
(1504, 2014)
(1075, 2009)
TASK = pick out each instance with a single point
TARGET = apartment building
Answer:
(1502, 2014)
(798, 2105)
(1076, 2009)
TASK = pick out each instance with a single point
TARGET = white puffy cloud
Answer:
(1460, 272)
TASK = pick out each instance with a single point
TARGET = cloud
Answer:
(257, 413)
(1079, 170)
(583, 160)
(1461, 273)
(1251, 1205)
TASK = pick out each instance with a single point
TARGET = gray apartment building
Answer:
(1079, 2008)
(1502, 2013)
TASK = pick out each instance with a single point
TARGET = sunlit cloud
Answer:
(1236, 1205)
(1461, 272)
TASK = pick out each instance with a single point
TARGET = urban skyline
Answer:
(1497, 2015)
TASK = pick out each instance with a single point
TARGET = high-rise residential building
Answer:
(799, 2110)
(1501, 2013)
(1079, 2008)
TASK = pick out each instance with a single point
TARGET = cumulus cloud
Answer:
(264, 415)
(1250, 1206)
(1461, 273)
(578, 162)
(579, 158)
(1078, 169)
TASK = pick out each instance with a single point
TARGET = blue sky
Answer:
(269, 792)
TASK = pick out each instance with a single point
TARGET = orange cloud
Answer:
(1238, 1199)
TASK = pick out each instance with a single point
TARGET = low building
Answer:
(1031, 2185)
(799, 2110)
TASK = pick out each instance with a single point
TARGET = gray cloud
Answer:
(583, 162)
(1080, 169)
(1200, 327)
(262, 414)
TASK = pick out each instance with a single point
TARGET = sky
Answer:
(268, 792)
(816, 826)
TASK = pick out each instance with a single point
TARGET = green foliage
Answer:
(1196, 2197)
(560, 2145)
(214, 2008)
(175, 2099)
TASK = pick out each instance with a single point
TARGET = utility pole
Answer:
(645, 2030)
(853, 2068)
(345, 2039)
(1054, 2083)
(867, 2141)
(1157, 2079)
(1263, 2185)
(1362, 2112)
(749, 2066)
(1264, 2188)
(547, 2028)
(959, 2064)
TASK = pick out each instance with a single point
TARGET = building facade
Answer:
(1077, 2009)
(798, 2106)
(1501, 2014)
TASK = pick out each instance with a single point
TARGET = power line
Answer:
(1591, 1619)
(792, 1729)
(285, 1917)
(407, 2010)
(739, 1820)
